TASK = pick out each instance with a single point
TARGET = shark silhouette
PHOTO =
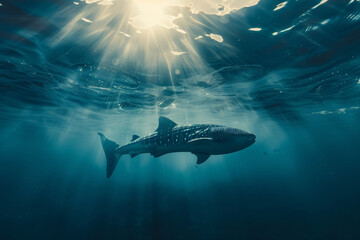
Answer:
(203, 140)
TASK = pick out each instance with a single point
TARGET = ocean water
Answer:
(287, 71)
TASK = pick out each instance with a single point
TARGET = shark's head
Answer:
(234, 138)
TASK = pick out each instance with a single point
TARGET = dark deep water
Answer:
(290, 75)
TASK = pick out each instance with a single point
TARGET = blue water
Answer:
(291, 76)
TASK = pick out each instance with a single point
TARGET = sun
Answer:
(149, 13)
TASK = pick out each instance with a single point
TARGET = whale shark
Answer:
(203, 140)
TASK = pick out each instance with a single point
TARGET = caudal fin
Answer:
(111, 156)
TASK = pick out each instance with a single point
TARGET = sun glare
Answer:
(149, 13)
(143, 36)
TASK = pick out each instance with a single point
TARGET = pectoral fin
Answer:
(201, 157)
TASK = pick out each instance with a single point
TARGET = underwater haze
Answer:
(287, 71)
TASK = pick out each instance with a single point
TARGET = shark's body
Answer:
(202, 140)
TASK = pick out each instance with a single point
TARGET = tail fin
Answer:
(111, 157)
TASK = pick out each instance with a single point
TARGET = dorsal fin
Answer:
(134, 137)
(165, 124)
